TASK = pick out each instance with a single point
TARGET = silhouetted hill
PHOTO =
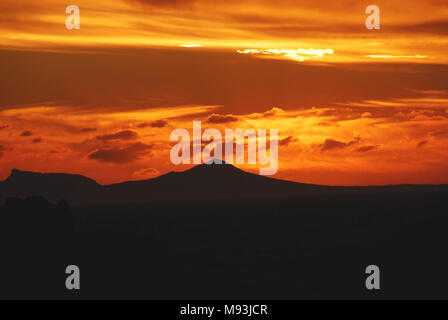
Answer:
(53, 186)
(35, 242)
(205, 182)
(202, 182)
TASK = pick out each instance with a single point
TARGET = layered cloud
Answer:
(121, 155)
(331, 144)
(414, 31)
(326, 145)
(154, 124)
(121, 135)
(220, 118)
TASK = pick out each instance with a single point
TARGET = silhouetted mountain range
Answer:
(215, 231)
(203, 182)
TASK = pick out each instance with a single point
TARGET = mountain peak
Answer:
(212, 166)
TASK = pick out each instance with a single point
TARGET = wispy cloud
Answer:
(398, 57)
(417, 102)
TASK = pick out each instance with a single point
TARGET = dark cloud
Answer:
(159, 123)
(331, 144)
(221, 118)
(439, 133)
(121, 135)
(26, 133)
(144, 125)
(2, 148)
(4, 126)
(435, 27)
(37, 140)
(88, 130)
(154, 124)
(286, 141)
(365, 148)
(422, 143)
(121, 155)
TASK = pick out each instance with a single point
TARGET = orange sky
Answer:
(352, 106)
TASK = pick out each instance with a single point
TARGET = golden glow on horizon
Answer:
(316, 145)
(190, 45)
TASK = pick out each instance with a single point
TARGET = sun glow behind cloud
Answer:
(296, 55)
(190, 45)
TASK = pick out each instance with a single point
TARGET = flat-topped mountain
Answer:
(52, 186)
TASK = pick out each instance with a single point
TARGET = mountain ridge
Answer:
(201, 182)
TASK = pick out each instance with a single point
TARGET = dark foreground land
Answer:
(312, 246)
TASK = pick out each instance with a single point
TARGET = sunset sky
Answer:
(352, 106)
